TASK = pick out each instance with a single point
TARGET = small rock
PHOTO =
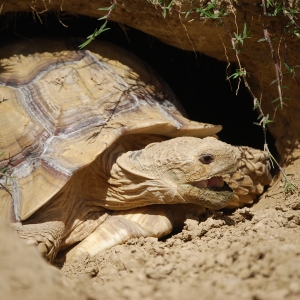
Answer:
(92, 271)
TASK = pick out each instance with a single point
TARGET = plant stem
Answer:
(277, 68)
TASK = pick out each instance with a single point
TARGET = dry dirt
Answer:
(250, 253)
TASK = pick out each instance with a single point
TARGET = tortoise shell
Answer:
(61, 108)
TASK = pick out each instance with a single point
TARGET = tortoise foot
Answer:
(149, 221)
(122, 226)
(44, 245)
(45, 236)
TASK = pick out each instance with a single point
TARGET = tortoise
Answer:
(101, 150)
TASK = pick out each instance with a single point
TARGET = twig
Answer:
(6, 189)
(264, 118)
(277, 68)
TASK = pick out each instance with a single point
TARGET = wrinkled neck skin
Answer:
(169, 173)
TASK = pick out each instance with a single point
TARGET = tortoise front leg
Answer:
(252, 176)
(149, 221)
(46, 236)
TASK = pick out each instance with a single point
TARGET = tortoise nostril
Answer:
(206, 159)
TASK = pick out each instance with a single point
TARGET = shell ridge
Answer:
(169, 116)
(16, 205)
(41, 72)
(29, 106)
(103, 65)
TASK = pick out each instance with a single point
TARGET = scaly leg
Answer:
(149, 221)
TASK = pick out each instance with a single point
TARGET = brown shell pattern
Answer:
(60, 108)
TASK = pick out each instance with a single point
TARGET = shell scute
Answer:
(66, 107)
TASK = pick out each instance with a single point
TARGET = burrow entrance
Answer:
(198, 80)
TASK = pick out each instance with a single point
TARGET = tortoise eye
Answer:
(206, 159)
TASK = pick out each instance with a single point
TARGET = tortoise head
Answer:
(180, 170)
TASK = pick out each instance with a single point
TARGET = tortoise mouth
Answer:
(224, 188)
(215, 194)
(214, 183)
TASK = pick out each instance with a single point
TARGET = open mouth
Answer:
(215, 183)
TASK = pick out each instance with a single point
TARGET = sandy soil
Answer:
(250, 253)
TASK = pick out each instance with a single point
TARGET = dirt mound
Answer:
(246, 254)
(25, 275)
(242, 255)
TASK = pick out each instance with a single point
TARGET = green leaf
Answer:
(275, 80)
(95, 34)
(103, 26)
(164, 13)
(104, 17)
(105, 29)
(289, 68)
(84, 44)
(278, 98)
(262, 40)
(270, 3)
(234, 76)
(290, 188)
(245, 30)
(268, 121)
(186, 15)
(4, 170)
(104, 8)
(171, 3)
(108, 8)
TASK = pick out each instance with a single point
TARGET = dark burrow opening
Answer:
(198, 80)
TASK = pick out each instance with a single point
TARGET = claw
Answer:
(43, 249)
(31, 242)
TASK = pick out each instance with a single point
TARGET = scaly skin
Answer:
(172, 171)
(162, 173)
